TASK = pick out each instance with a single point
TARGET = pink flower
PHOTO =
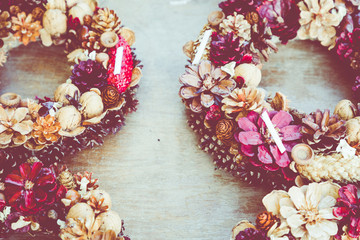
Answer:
(258, 144)
(349, 209)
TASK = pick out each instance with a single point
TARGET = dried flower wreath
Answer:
(263, 140)
(36, 192)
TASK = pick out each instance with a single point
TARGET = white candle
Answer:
(118, 60)
(202, 47)
(273, 132)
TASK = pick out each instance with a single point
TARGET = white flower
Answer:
(307, 210)
(318, 19)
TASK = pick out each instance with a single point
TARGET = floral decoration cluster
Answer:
(36, 194)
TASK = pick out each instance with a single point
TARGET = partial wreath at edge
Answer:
(38, 193)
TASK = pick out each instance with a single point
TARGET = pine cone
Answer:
(110, 96)
(259, 177)
(5, 24)
(106, 20)
(226, 49)
(243, 6)
(92, 42)
(89, 74)
(225, 131)
(113, 121)
(238, 25)
(261, 39)
(241, 101)
(284, 20)
(265, 220)
(66, 179)
(322, 132)
(26, 30)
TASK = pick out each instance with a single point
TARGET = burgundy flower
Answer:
(257, 143)
(32, 188)
(213, 114)
(356, 88)
(73, 23)
(349, 209)
(13, 218)
(239, 6)
(283, 18)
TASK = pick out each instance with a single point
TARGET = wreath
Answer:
(261, 138)
(258, 137)
(37, 192)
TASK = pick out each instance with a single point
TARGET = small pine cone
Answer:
(106, 20)
(38, 13)
(5, 24)
(130, 100)
(92, 43)
(110, 96)
(265, 220)
(323, 132)
(52, 153)
(238, 25)
(225, 131)
(67, 179)
(252, 17)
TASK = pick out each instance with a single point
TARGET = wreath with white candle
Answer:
(37, 192)
(259, 137)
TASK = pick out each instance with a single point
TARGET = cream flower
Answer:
(307, 210)
(318, 19)
(15, 126)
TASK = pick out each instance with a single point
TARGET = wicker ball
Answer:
(110, 96)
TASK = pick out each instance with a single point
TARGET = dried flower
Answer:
(318, 20)
(283, 18)
(202, 84)
(26, 30)
(307, 210)
(15, 128)
(348, 209)
(46, 130)
(227, 49)
(258, 144)
(32, 187)
(322, 132)
(238, 25)
(89, 74)
(241, 101)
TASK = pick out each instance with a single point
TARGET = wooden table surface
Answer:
(162, 185)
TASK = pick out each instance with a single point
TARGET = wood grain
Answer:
(162, 185)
